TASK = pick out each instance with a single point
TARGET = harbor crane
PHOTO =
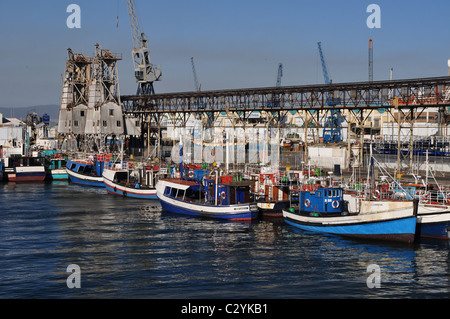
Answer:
(199, 102)
(144, 71)
(332, 130)
(276, 99)
(197, 85)
(279, 74)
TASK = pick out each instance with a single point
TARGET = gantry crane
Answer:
(332, 130)
(144, 72)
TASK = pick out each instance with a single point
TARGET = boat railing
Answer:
(432, 197)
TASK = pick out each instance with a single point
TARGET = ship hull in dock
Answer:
(384, 221)
(247, 213)
(85, 180)
(272, 209)
(85, 173)
(26, 174)
(109, 175)
(170, 203)
(59, 175)
(434, 225)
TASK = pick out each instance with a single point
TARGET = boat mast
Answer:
(181, 157)
(427, 168)
(217, 187)
(369, 173)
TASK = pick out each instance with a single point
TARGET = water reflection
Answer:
(130, 248)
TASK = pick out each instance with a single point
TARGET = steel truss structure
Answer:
(408, 98)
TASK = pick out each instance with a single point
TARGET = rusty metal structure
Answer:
(354, 96)
(90, 106)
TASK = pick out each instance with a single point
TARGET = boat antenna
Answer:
(181, 158)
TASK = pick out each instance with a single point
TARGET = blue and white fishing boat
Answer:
(199, 195)
(433, 215)
(88, 171)
(230, 201)
(129, 182)
(325, 210)
(434, 224)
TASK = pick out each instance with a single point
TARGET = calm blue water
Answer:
(128, 248)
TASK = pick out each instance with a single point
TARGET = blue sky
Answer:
(235, 44)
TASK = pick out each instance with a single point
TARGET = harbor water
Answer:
(128, 248)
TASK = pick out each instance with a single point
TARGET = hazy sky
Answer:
(235, 44)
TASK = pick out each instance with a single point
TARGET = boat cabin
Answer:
(86, 167)
(183, 190)
(139, 178)
(229, 192)
(322, 200)
(17, 161)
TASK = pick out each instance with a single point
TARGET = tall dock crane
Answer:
(197, 85)
(144, 71)
(276, 98)
(279, 74)
(332, 130)
(326, 77)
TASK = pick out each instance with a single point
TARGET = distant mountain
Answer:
(21, 112)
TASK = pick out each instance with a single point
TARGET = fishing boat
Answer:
(213, 198)
(198, 194)
(1, 169)
(271, 189)
(127, 181)
(325, 210)
(433, 216)
(57, 168)
(434, 224)
(433, 213)
(25, 169)
(88, 170)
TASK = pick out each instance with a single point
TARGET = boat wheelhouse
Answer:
(25, 169)
(86, 172)
(136, 183)
(271, 190)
